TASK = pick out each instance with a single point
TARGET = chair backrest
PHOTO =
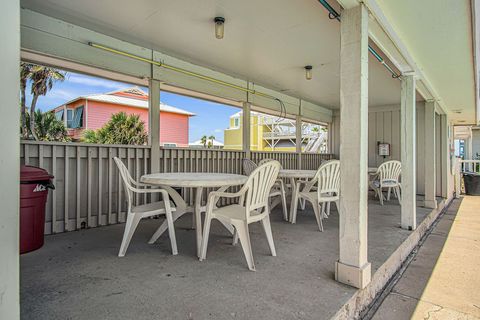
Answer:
(248, 166)
(266, 161)
(259, 185)
(328, 177)
(390, 171)
(127, 180)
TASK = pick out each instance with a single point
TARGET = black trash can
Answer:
(472, 183)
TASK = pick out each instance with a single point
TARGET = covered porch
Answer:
(379, 99)
(78, 274)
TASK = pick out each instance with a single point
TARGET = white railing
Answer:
(88, 192)
(470, 166)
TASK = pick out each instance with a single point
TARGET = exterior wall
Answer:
(174, 128)
(384, 126)
(9, 164)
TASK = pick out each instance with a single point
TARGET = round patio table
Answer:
(194, 180)
(294, 175)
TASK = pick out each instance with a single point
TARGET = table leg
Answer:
(198, 218)
(294, 189)
(180, 210)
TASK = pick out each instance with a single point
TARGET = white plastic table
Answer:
(294, 175)
(194, 180)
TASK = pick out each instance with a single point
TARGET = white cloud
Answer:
(218, 130)
(94, 82)
(61, 94)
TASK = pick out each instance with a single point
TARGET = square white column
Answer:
(154, 124)
(430, 156)
(408, 153)
(10, 161)
(298, 140)
(352, 266)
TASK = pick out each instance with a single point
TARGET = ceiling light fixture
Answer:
(308, 72)
(219, 27)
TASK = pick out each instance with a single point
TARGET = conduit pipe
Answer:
(333, 14)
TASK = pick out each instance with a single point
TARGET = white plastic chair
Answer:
(136, 213)
(388, 176)
(278, 189)
(252, 207)
(327, 181)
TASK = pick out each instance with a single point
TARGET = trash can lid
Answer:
(32, 174)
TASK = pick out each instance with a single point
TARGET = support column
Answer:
(352, 266)
(246, 129)
(408, 153)
(154, 124)
(298, 139)
(9, 162)
(430, 156)
(445, 147)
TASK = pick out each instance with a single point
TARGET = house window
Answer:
(69, 117)
(59, 115)
(75, 118)
(236, 122)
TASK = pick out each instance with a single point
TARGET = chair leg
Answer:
(293, 207)
(206, 234)
(380, 195)
(388, 193)
(244, 236)
(302, 204)
(130, 226)
(399, 195)
(284, 202)
(171, 233)
(268, 232)
(318, 215)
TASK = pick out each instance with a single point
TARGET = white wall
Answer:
(9, 161)
(476, 142)
(384, 126)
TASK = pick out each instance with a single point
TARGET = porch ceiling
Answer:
(267, 42)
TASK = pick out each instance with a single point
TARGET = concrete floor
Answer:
(442, 281)
(77, 275)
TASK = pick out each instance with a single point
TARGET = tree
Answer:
(203, 140)
(25, 74)
(210, 141)
(47, 127)
(42, 79)
(120, 129)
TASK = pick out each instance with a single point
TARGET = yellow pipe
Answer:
(180, 70)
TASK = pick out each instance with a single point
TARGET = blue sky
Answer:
(211, 118)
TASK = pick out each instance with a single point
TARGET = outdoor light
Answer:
(308, 72)
(219, 27)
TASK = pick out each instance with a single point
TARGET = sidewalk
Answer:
(443, 281)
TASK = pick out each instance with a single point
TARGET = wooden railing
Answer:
(470, 166)
(88, 192)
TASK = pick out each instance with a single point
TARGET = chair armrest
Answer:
(162, 191)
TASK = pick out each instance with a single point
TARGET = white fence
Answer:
(88, 191)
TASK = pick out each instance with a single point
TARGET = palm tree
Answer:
(203, 140)
(25, 74)
(48, 127)
(42, 79)
(210, 141)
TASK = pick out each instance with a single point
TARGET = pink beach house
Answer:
(93, 111)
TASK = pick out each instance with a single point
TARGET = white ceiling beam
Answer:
(476, 54)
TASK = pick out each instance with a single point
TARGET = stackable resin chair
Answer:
(252, 207)
(387, 176)
(278, 189)
(136, 213)
(320, 191)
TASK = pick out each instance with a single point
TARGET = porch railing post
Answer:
(352, 266)
(298, 140)
(154, 124)
(246, 129)
(408, 153)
